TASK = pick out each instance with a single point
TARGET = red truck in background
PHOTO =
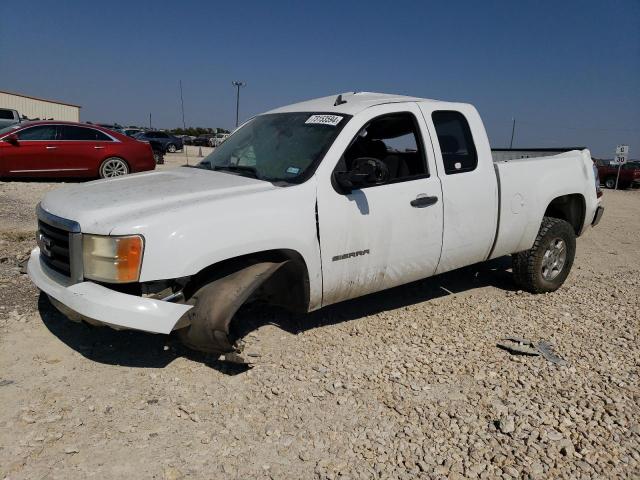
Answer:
(629, 174)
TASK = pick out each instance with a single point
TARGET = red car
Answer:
(67, 149)
(629, 174)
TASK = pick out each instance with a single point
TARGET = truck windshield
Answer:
(278, 147)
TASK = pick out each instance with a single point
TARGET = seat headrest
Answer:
(377, 149)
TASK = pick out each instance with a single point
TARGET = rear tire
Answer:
(610, 182)
(171, 148)
(546, 265)
(113, 167)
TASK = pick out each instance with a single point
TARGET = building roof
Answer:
(354, 102)
(41, 99)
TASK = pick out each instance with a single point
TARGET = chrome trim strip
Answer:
(59, 222)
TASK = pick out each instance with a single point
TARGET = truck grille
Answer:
(54, 247)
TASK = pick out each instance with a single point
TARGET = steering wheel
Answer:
(377, 170)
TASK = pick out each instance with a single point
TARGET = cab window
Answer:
(456, 142)
(393, 139)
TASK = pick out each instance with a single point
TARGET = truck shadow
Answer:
(127, 348)
(495, 273)
(146, 350)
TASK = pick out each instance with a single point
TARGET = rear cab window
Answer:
(459, 154)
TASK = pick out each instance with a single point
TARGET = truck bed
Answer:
(528, 185)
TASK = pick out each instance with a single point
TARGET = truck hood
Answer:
(100, 206)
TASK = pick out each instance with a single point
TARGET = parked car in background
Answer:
(629, 174)
(220, 137)
(67, 149)
(186, 139)
(205, 140)
(8, 117)
(159, 151)
(131, 132)
(171, 142)
(111, 126)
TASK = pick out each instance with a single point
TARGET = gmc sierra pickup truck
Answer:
(305, 206)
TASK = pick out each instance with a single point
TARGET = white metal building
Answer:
(39, 108)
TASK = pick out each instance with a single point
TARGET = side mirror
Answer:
(12, 139)
(365, 171)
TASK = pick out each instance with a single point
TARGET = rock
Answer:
(507, 425)
(554, 435)
(71, 450)
(304, 456)
(28, 418)
(172, 473)
(536, 469)
(566, 448)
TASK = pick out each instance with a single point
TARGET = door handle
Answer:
(98, 148)
(50, 147)
(422, 201)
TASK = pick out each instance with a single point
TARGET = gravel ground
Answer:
(407, 383)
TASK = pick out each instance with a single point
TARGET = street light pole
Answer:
(238, 85)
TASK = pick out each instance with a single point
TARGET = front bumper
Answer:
(102, 305)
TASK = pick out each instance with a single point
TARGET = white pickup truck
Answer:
(305, 206)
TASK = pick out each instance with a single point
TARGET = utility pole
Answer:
(513, 131)
(150, 127)
(238, 85)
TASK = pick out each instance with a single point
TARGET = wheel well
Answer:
(570, 208)
(288, 287)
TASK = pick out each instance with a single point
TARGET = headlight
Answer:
(112, 259)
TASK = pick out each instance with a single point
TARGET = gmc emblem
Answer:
(44, 243)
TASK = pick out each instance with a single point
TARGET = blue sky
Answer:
(568, 71)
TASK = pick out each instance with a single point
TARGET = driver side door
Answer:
(379, 236)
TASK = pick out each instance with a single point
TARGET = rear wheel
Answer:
(546, 265)
(113, 167)
(171, 148)
(610, 182)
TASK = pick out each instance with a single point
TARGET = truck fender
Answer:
(217, 302)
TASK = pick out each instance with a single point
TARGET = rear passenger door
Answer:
(82, 149)
(469, 185)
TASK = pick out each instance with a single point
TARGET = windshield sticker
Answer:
(332, 120)
(293, 170)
